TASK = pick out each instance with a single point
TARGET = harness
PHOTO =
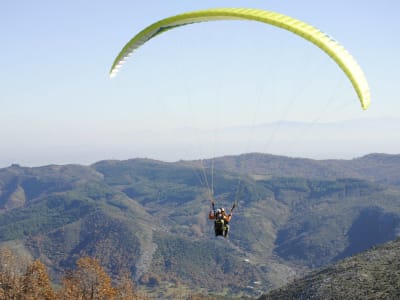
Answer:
(219, 224)
(219, 221)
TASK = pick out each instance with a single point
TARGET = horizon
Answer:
(199, 147)
(194, 160)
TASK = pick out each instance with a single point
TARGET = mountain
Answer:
(150, 217)
(375, 167)
(373, 274)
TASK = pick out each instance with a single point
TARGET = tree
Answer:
(36, 283)
(20, 279)
(126, 289)
(11, 269)
(88, 282)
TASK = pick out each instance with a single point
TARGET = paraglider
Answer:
(308, 32)
(336, 51)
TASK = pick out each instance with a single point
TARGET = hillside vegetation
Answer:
(373, 274)
(149, 218)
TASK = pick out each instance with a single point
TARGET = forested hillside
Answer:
(373, 274)
(149, 218)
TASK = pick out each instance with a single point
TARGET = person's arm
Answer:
(228, 217)
(211, 215)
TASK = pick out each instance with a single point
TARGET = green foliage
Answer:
(373, 274)
(150, 218)
(207, 263)
(43, 216)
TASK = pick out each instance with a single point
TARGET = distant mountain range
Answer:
(315, 139)
(150, 217)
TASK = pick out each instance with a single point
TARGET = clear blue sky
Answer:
(196, 91)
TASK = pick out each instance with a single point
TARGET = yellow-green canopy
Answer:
(336, 51)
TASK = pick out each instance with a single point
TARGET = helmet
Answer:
(218, 211)
(222, 209)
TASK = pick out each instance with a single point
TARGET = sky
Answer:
(198, 91)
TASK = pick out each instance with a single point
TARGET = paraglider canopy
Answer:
(336, 51)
